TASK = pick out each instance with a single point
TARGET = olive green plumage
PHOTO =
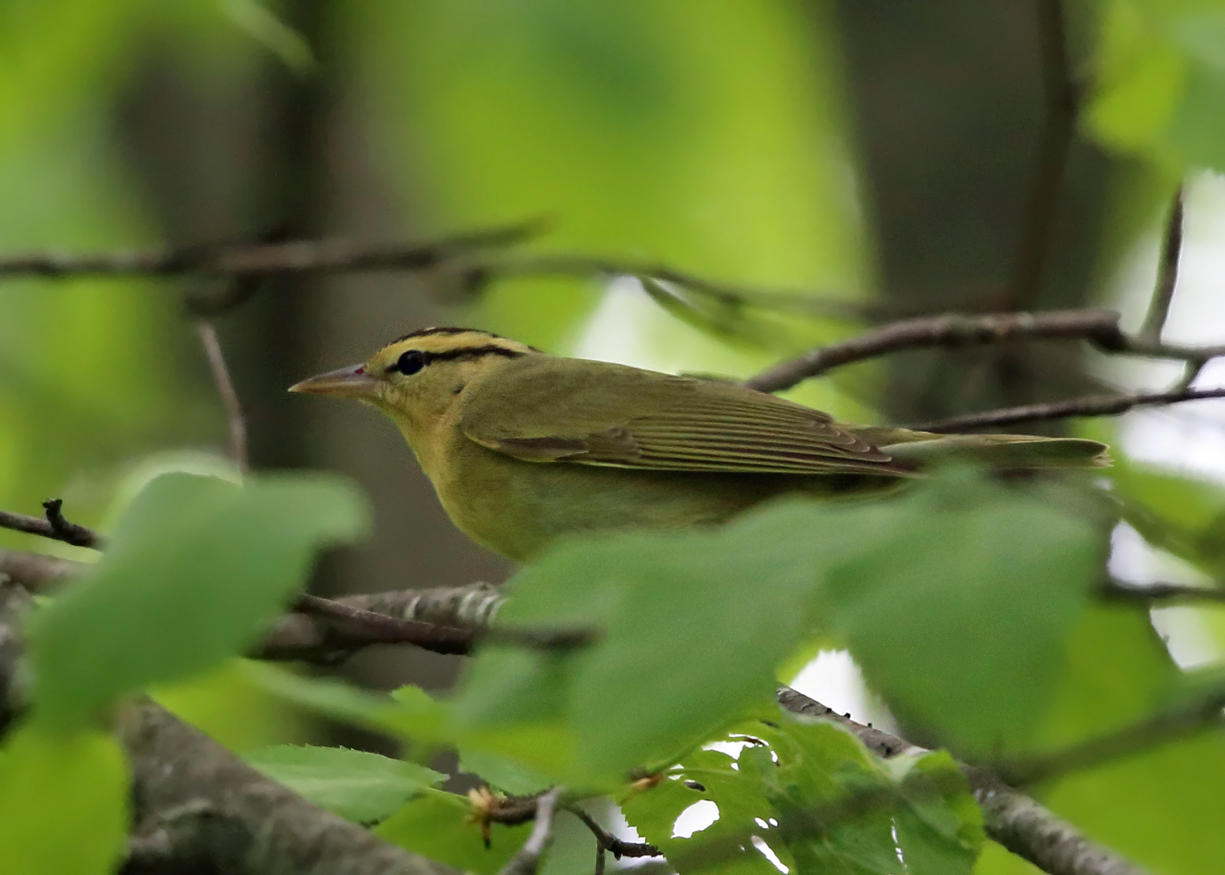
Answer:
(523, 447)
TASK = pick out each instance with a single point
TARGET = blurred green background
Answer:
(870, 152)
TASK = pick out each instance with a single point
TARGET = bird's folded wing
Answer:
(594, 413)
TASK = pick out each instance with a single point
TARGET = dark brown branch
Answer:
(1181, 720)
(1099, 327)
(1167, 272)
(235, 417)
(53, 526)
(1011, 818)
(261, 259)
(606, 841)
(1058, 133)
(1085, 405)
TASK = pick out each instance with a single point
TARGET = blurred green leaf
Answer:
(627, 121)
(262, 25)
(195, 569)
(1161, 807)
(441, 826)
(1160, 81)
(63, 802)
(684, 647)
(959, 600)
(951, 573)
(1175, 511)
(358, 785)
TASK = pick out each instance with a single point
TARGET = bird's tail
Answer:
(922, 448)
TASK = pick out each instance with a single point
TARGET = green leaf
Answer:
(693, 625)
(1160, 80)
(958, 602)
(818, 799)
(1161, 807)
(418, 717)
(953, 572)
(195, 569)
(441, 826)
(358, 785)
(63, 801)
(1175, 512)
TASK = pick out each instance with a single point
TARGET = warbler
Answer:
(523, 447)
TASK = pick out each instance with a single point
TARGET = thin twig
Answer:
(527, 861)
(259, 259)
(1085, 405)
(1058, 132)
(53, 526)
(608, 842)
(225, 390)
(1011, 818)
(1167, 272)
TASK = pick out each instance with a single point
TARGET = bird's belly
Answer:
(517, 508)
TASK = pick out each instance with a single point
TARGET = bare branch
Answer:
(606, 841)
(1085, 405)
(261, 259)
(53, 526)
(1099, 327)
(1012, 819)
(527, 861)
(225, 390)
(1167, 272)
(196, 802)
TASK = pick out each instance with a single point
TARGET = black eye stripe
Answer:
(413, 360)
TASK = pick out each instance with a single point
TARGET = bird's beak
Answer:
(350, 382)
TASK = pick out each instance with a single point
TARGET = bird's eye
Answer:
(409, 362)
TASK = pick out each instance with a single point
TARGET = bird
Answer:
(523, 447)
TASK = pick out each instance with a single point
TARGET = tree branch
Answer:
(265, 258)
(225, 390)
(527, 861)
(1085, 405)
(1167, 272)
(1011, 818)
(1099, 327)
(606, 841)
(53, 526)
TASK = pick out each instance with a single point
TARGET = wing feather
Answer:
(594, 413)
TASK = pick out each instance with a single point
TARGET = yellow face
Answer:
(416, 378)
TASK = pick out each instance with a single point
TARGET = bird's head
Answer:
(416, 378)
